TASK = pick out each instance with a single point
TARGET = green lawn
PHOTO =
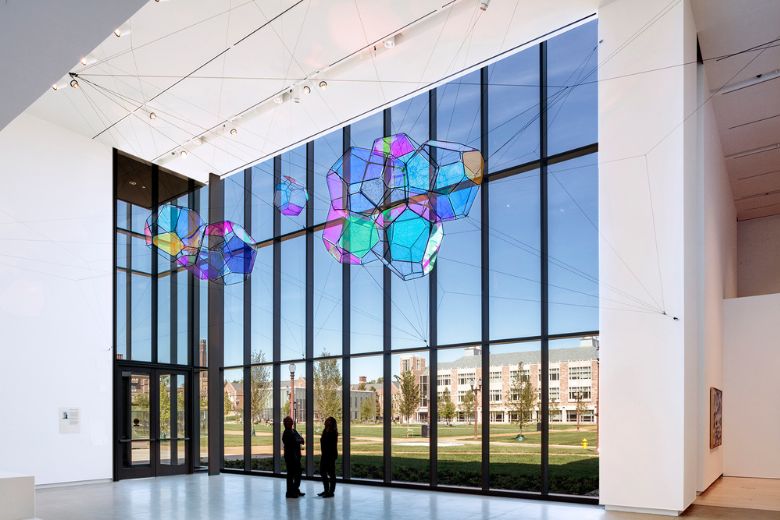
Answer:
(513, 465)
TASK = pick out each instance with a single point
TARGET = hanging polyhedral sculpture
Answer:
(227, 254)
(177, 232)
(389, 202)
(290, 197)
(222, 252)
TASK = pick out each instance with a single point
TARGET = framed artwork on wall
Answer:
(716, 417)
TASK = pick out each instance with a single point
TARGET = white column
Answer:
(647, 222)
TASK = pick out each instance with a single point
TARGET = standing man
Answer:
(292, 441)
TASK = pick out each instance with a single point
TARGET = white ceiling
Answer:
(748, 118)
(198, 64)
(40, 40)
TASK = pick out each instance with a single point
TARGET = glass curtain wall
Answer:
(161, 313)
(481, 376)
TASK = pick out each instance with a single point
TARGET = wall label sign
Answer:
(70, 420)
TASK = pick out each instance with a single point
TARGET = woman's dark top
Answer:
(292, 441)
(328, 444)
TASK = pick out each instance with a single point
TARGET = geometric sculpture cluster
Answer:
(389, 202)
(222, 252)
(290, 197)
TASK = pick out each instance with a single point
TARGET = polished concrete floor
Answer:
(195, 497)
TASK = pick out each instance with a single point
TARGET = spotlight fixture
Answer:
(118, 32)
(306, 89)
(152, 115)
(84, 60)
(234, 131)
(55, 87)
(121, 31)
(390, 42)
(483, 4)
(74, 83)
(183, 154)
(323, 84)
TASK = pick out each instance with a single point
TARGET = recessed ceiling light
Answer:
(390, 42)
(234, 131)
(84, 60)
(323, 84)
(143, 187)
(183, 154)
(74, 83)
(118, 32)
(483, 4)
(278, 100)
(132, 183)
(55, 87)
(152, 115)
(306, 89)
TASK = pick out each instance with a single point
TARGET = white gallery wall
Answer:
(55, 302)
(717, 262)
(751, 416)
(759, 248)
(668, 238)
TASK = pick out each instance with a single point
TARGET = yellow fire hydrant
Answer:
(585, 443)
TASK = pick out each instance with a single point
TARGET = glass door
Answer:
(152, 423)
(173, 439)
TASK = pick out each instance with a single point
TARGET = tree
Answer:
(327, 389)
(228, 404)
(521, 397)
(554, 408)
(261, 389)
(467, 404)
(581, 407)
(368, 409)
(446, 407)
(377, 404)
(286, 408)
(408, 394)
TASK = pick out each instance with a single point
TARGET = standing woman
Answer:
(292, 441)
(329, 446)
